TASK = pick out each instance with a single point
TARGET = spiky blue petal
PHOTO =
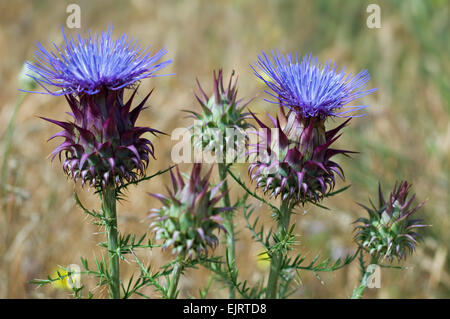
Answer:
(93, 63)
(309, 88)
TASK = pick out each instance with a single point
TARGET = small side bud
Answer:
(390, 231)
(26, 82)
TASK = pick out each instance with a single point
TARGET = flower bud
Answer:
(189, 217)
(26, 82)
(220, 112)
(390, 231)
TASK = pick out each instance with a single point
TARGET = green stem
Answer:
(358, 292)
(7, 149)
(4, 182)
(277, 257)
(229, 226)
(175, 278)
(109, 207)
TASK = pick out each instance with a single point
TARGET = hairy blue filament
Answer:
(309, 88)
(94, 63)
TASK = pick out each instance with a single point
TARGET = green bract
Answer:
(390, 231)
(189, 216)
(220, 111)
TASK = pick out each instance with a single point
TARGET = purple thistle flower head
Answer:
(390, 231)
(94, 63)
(309, 88)
(103, 145)
(190, 214)
(294, 162)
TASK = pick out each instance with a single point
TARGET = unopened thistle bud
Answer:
(189, 217)
(390, 231)
(27, 83)
(221, 112)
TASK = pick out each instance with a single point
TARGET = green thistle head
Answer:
(189, 217)
(220, 112)
(390, 231)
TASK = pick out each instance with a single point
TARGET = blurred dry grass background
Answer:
(405, 135)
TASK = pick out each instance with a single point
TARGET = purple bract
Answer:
(294, 159)
(390, 230)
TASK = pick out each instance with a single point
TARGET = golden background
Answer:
(405, 134)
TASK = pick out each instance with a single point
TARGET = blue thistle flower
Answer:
(93, 63)
(309, 88)
(102, 146)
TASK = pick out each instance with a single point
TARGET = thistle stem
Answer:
(4, 182)
(175, 278)
(229, 226)
(7, 149)
(277, 257)
(109, 208)
(358, 292)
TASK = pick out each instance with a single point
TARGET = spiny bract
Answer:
(102, 145)
(221, 112)
(189, 216)
(390, 231)
(92, 64)
(293, 159)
